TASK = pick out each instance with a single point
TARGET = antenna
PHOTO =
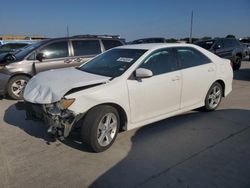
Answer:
(191, 27)
(67, 31)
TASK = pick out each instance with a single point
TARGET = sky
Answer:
(132, 19)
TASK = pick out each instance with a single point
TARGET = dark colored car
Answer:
(229, 48)
(12, 47)
(17, 68)
(149, 40)
(246, 45)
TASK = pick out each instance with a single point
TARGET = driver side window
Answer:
(160, 62)
(55, 50)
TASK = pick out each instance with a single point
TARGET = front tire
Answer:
(100, 127)
(213, 97)
(16, 86)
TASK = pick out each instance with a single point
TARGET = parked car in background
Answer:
(149, 40)
(229, 48)
(12, 47)
(128, 87)
(246, 49)
(246, 46)
(16, 69)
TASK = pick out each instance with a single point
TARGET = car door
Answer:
(198, 73)
(159, 94)
(54, 55)
(84, 50)
(224, 48)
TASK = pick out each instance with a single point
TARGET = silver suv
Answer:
(17, 68)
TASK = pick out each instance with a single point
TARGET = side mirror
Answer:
(9, 58)
(143, 73)
(40, 57)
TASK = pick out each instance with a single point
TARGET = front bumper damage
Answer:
(59, 122)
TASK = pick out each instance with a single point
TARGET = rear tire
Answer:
(16, 86)
(237, 63)
(213, 97)
(100, 127)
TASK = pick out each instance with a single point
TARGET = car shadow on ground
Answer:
(159, 150)
(15, 115)
(242, 74)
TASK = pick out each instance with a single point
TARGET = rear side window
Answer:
(86, 47)
(111, 44)
(160, 62)
(229, 43)
(17, 46)
(55, 50)
(205, 44)
(190, 57)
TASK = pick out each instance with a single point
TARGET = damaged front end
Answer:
(59, 119)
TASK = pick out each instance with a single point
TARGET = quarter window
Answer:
(86, 47)
(190, 57)
(55, 50)
(160, 62)
(111, 44)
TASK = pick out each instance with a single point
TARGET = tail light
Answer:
(232, 65)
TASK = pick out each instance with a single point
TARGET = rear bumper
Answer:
(4, 79)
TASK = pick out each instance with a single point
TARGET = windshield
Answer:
(26, 50)
(113, 63)
(205, 44)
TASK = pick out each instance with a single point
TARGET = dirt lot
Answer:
(191, 150)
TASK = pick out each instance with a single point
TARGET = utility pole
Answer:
(67, 31)
(191, 28)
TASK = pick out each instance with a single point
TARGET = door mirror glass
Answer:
(9, 58)
(40, 57)
(143, 73)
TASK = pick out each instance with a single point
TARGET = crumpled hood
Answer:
(50, 86)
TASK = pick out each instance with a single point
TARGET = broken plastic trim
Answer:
(82, 88)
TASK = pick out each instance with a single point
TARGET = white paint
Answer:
(144, 101)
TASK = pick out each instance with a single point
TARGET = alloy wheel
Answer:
(18, 86)
(214, 97)
(106, 130)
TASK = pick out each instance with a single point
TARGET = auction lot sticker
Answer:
(125, 59)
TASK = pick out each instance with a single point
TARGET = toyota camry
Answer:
(128, 87)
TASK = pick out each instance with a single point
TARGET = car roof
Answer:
(152, 46)
(150, 38)
(108, 37)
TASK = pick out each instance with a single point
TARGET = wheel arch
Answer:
(19, 74)
(222, 83)
(14, 75)
(122, 113)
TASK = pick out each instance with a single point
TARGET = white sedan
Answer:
(128, 87)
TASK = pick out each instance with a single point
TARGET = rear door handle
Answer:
(176, 78)
(211, 69)
(68, 61)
